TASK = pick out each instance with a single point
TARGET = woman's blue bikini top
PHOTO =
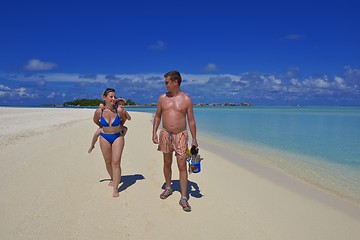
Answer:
(115, 123)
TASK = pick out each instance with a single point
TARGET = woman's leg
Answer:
(107, 154)
(117, 149)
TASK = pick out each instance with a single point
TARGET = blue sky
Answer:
(263, 52)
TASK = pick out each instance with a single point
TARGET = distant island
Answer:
(244, 104)
(95, 102)
(92, 102)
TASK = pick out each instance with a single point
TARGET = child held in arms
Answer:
(124, 115)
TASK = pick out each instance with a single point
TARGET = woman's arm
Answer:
(96, 117)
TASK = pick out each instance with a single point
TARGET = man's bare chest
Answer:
(174, 106)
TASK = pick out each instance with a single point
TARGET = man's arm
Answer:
(156, 123)
(192, 123)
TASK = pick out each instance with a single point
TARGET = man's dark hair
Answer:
(174, 76)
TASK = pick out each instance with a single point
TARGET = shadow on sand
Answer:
(127, 181)
(192, 190)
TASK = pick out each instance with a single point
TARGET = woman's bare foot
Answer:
(91, 148)
(111, 183)
(116, 193)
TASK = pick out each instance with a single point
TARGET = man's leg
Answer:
(183, 184)
(167, 168)
(167, 174)
(183, 175)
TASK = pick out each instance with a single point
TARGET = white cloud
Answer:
(277, 81)
(321, 83)
(54, 95)
(35, 64)
(51, 95)
(202, 87)
(339, 82)
(158, 45)
(17, 92)
(4, 90)
(210, 67)
(21, 92)
(204, 78)
(52, 77)
(294, 82)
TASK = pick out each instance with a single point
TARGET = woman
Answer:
(111, 137)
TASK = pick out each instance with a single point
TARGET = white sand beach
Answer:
(51, 188)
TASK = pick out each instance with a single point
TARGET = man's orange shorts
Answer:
(174, 142)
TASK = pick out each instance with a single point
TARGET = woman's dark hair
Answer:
(108, 90)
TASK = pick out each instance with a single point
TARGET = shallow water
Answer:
(317, 144)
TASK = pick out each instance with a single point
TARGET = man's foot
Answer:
(166, 193)
(185, 205)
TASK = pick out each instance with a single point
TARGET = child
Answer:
(124, 115)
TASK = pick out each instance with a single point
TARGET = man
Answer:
(173, 108)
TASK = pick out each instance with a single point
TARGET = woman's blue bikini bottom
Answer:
(110, 137)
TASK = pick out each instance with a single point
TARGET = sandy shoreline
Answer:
(50, 188)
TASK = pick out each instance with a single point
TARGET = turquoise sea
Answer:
(320, 145)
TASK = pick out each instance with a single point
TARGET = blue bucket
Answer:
(195, 167)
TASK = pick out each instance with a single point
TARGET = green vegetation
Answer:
(129, 102)
(91, 102)
(84, 102)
